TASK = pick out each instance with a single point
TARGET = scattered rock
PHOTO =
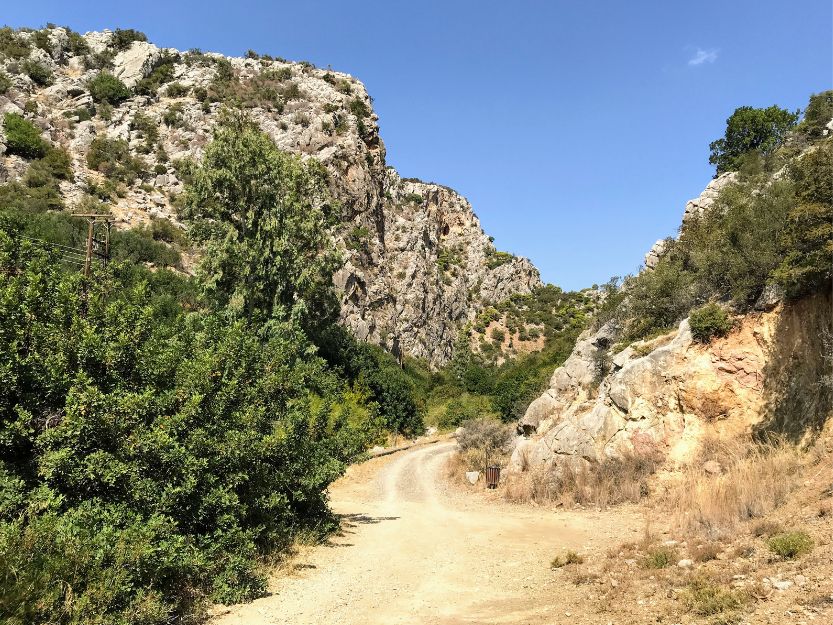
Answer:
(685, 563)
(712, 467)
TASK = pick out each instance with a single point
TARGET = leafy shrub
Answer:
(705, 597)
(749, 129)
(12, 45)
(124, 38)
(5, 83)
(30, 107)
(148, 128)
(414, 198)
(790, 545)
(659, 557)
(23, 138)
(172, 117)
(495, 259)
(176, 90)
(112, 158)
(462, 408)
(75, 42)
(708, 322)
(39, 73)
(807, 238)
(359, 108)
(141, 425)
(162, 72)
(105, 87)
(165, 230)
(140, 246)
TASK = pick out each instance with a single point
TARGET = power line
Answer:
(58, 245)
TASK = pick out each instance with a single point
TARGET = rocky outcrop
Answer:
(696, 207)
(656, 397)
(417, 262)
(135, 63)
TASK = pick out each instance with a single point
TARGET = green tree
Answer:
(749, 129)
(264, 217)
(107, 88)
(818, 114)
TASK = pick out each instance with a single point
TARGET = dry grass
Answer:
(571, 557)
(705, 552)
(611, 482)
(756, 480)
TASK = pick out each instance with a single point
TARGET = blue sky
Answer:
(577, 129)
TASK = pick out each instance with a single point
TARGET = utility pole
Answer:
(93, 244)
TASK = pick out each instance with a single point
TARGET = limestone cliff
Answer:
(418, 264)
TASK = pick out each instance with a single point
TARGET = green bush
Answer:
(162, 72)
(12, 45)
(818, 114)
(107, 88)
(807, 239)
(5, 83)
(708, 322)
(659, 558)
(40, 74)
(23, 138)
(359, 108)
(124, 38)
(176, 90)
(140, 246)
(112, 158)
(495, 259)
(705, 597)
(790, 545)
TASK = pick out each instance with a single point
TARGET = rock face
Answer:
(417, 262)
(694, 208)
(655, 402)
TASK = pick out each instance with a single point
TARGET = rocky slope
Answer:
(418, 264)
(659, 396)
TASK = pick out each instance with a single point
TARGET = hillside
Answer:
(132, 116)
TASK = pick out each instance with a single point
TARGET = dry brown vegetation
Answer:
(742, 534)
(754, 480)
(601, 484)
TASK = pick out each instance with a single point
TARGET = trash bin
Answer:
(492, 476)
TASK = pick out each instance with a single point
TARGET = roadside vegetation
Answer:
(161, 435)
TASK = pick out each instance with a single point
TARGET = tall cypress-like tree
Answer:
(264, 218)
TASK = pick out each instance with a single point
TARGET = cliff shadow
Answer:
(798, 378)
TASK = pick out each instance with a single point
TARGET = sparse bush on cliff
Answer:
(40, 74)
(107, 88)
(23, 137)
(123, 38)
(708, 322)
(112, 158)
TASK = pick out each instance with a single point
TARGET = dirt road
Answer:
(414, 553)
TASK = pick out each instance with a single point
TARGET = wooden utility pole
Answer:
(92, 220)
(89, 255)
